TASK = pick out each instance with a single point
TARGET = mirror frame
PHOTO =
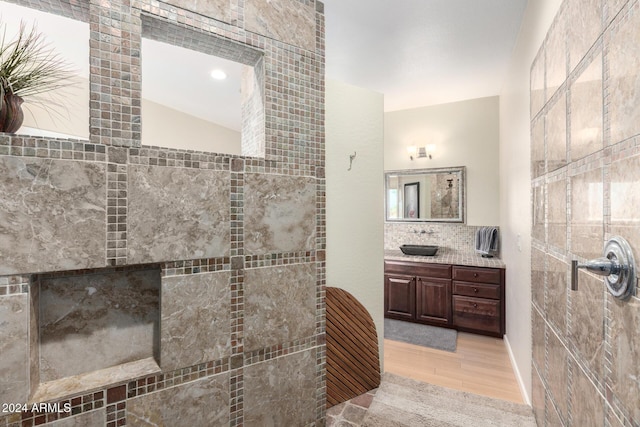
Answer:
(462, 200)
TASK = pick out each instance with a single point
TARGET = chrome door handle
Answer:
(601, 266)
(617, 265)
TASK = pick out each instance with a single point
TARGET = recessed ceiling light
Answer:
(218, 74)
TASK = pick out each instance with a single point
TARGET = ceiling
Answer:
(415, 52)
(421, 52)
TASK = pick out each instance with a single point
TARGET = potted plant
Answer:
(28, 67)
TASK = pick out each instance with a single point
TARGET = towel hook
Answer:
(351, 157)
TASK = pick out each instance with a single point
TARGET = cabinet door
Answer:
(433, 300)
(399, 297)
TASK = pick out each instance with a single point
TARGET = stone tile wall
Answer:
(239, 241)
(585, 152)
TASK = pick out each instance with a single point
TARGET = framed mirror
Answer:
(425, 195)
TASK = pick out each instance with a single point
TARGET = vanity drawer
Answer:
(476, 314)
(476, 274)
(439, 271)
(479, 290)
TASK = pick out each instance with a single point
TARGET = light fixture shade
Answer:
(420, 152)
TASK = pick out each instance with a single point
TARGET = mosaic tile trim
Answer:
(591, 162)
(321, 382)
(237, 208)
(278, 168)
(115, 89)
(117, 214)
(115, 397)
(236, 402)
(51, 148)
(587, 60)
(12, 285)
(321, 290)
(283, 349)
(274, 259)
(606, 102)
(180, 34)
(66, 408)
(289, 137)
(160, 10)
(237, 311)
(625, 149)
(117, 415)
(153, 383)
(617, 407)
(195, 266)
(78, 10)
(321, 216)
(107, 270)
(237, 13)
(620, 17)
(160, 156)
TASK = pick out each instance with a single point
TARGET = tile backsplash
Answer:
(458, 237)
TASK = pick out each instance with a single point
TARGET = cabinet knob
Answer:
(475, 290)
(475, 274)
(475, 305)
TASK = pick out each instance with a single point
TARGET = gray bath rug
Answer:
(424, 335)
(402, 402)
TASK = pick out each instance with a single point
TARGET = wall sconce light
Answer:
(418, 152)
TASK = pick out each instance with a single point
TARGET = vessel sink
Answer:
(424, 250)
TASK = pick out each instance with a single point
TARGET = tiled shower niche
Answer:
(92, 321)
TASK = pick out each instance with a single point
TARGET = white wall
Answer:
(465, 133)
(166, 127)
(515, 180)
(355, 210)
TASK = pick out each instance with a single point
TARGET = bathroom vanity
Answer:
(464, 292)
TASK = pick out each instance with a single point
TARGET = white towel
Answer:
(487, 240)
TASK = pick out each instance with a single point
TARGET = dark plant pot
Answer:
(11, 115)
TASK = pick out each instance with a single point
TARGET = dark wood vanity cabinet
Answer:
(465, 298)
(418, 292)
(478, 300)
(399, 297)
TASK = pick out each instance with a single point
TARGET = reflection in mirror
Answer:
(433, 195)
(184, 106)
(63, 112)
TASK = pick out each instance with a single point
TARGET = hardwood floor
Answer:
(480, 365)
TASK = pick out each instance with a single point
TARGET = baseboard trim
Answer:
(516, 371)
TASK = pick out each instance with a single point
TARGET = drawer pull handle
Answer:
(475, 274)
(475, 305)
(475, 290)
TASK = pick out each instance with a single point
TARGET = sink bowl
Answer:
(424, 250)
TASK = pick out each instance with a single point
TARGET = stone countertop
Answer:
(447, 256)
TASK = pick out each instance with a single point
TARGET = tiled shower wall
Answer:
(585, 151)
(239, 241)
